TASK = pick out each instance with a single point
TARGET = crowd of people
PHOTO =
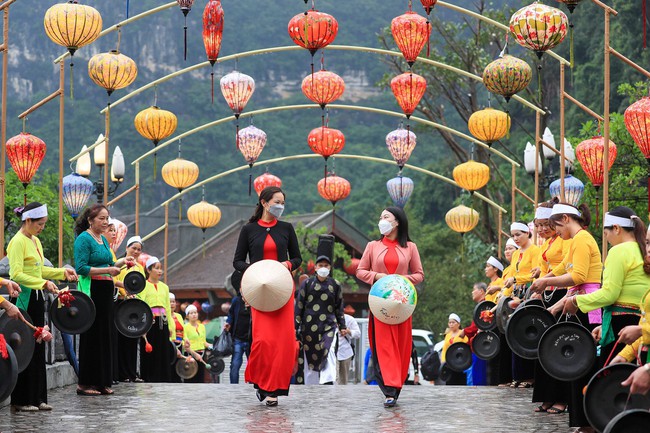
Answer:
(309, 340)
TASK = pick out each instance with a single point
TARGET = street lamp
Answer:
(117, 168)
(529, 159)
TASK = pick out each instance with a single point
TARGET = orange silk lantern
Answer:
(326, 141)
(155, 124)
(112, 70)
(25, 152)
(266, 180)
(590, 154)
(471, 175)
(489, 125)
(462, 219)
(323, 87)
(212, 34)
(408, 89)
(411, 32)
(637, 122)
(334, 188)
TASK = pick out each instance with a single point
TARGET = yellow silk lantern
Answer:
(471, 175)
(489, 125)
(180, 173)
(204, 215)
(462, 219)
(155, 124)
(112, 70)
(72, 25)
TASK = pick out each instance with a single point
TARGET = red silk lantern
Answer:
(411, 32)
(428, 5)
(323, 87)
(326, 141)
(212, 33)
(25, 152)
(334, 188)
(266, 180)
(313, 30)
(590, 155)
(401, 143)
(408, 89)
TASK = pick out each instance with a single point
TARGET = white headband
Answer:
(512, 243)
(190, 308)
(611, 220)
(172, 296)
(35, 214)
(560, 209)
(454, 316)
(494, 262)
(134, 239)
(111, 221)
(543, 213)
(519, 226)
(151, 261)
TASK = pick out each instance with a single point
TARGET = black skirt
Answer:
(200, 375)
(31, 387)
(154, 366)
(547, 388)
(95, 345)
(127, 356)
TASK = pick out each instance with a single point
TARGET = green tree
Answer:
(43, 189)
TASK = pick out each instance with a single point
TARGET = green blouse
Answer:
(88, 253)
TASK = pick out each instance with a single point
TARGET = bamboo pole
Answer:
(166, 243)
(5, 5)
(606, 96)
(562, 133)
(513, 194)
(500, 222)
(584, 108)
(87, 150)
(629, 62)
(121, 196)
(538, 127)
(107, 139)
(137, 198)
(61, 156)
(3, 121)
(174, 140)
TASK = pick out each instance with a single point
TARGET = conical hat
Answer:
(392, 299)
(267, 285)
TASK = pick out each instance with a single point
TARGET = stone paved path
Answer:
(234, 408)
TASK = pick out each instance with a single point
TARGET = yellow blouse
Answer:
(157, 295)
(449, 340)
(507, 273)
(120, 277)
(522, 264)
(195, 335)
(582, 260)
(494, 296)
(630, 351)
(551, 254)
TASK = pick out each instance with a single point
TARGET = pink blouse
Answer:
(372, 262)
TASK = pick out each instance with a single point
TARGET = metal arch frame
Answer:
(166, 203)
(297, 48)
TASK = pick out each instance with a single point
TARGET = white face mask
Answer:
(276, 210)
(323, 272)
(385, 227)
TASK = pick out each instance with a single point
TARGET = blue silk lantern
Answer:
(400, 189)
(573, 189)
(76, 192)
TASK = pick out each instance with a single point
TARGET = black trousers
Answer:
(31, 387)
(95, 345)
(154, 366)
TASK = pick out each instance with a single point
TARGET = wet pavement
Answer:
(234, 408)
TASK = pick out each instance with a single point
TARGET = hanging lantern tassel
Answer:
(648, 162)
(428, 37)
(180, 207)
(250, 178)
(204, 243)
(127, 9)
(597, 206)
(539, 80)
(71, 80)
(25, 193)
(643, 11)
(155, 157)
(185, 39)
(237, 131)
(212, 85)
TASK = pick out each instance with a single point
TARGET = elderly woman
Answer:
(27, 268)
